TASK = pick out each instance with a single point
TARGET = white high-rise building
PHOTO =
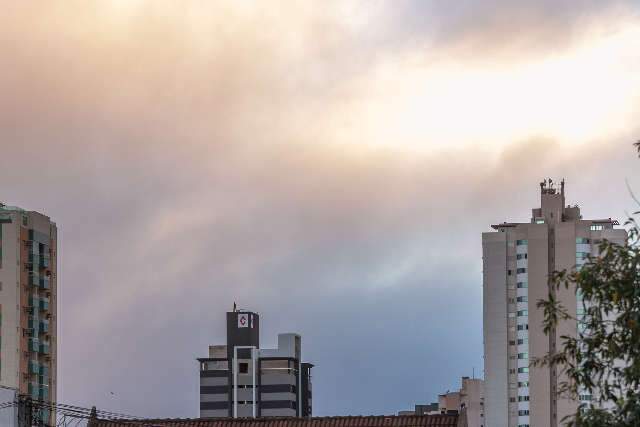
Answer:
(517, 261)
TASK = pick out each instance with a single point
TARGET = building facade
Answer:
(28, 299)
(240, 379)
(517, 261)
(468, 402)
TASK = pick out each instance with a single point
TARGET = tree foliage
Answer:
(603, 359)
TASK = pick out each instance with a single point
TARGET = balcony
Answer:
(33, 322)
(44, 348)
(44, 304)
(44, 393)
(44, 327)
(45, 283)
(34, 344)
(33, 302)
(34, 390)
(34, 279)
(39, 237)
(34, 367)
(45, 261)
(44, 371)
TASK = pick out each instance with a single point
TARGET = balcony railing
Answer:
(34, 279)
(34, 390)
(44, 348)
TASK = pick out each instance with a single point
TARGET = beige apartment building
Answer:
(468, 403)
(517, 260)
(28, 297)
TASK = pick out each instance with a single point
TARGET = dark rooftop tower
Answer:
(243, 329)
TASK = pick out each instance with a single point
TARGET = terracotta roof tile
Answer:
(448, 420)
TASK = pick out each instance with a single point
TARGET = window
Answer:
(523, 341)
(522, 242)
(521, 256)
(523, 327)
(523, 384)
(523, 371)
(512, 342)
(585, 397)
(523, 356)
(523, 312)
(512, 371)
(582, 254)
(243, 368)
(508, 272)
(582, 240)
(522, 299)
(540, 221)
(596, 227)
(523, 398)
(523, 412)
(523, 285)
(521, 270)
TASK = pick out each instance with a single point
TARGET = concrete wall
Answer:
(9, 299)
(494, 250)
(538, 275)
(472, 398)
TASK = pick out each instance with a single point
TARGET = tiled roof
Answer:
(449, 420)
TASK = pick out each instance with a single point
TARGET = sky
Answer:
(330, 165)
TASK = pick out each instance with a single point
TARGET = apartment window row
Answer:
(522, 356)
(523, 313)
(522, 242)
(523, 383)
(586, 397)
(522, 299)
(583, 240)
(523, 341)
(523, 327)
(523, 371)
(582, 254)
(521, 270)
(522, 256)
(523, 413)
(523, 398)
(522, 285)
(596, 227)
(523, 425)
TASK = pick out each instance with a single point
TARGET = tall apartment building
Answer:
(28, 295)
(517, 261)
(240, 379)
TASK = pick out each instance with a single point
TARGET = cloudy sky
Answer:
(331, 165)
